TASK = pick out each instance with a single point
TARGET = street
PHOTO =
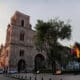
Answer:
(41, 77)
(31, 76)
(3, 77)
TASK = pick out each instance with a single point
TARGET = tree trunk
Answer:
(53, 67)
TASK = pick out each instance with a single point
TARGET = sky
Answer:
(44, 10)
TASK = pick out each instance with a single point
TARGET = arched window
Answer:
(7, 53)
(22, 23)
(21, 36)
(39, 62)
(21, 53)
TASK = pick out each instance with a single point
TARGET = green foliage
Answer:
(47, 35)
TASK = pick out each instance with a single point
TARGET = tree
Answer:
(48, 35)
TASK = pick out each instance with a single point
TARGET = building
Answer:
(19, 52)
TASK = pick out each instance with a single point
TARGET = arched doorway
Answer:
(21, 66)
(39, 62)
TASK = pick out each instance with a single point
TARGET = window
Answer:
(21, 52)
(7, 53)
(21, 36)
(8, 36)
(22, 23)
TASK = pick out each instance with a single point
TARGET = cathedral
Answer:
(19, 52)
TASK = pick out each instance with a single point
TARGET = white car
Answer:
(72, 66)
(12, 71)
(1, 71)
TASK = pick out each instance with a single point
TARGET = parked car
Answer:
(1, 71)
(12, 71)
(73, 66)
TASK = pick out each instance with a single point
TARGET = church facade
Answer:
(19, 52)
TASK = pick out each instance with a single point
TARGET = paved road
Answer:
(3, 77)
(40, 76)
(50, 77)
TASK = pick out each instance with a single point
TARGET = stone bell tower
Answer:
(21, 54)
(19, 43)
